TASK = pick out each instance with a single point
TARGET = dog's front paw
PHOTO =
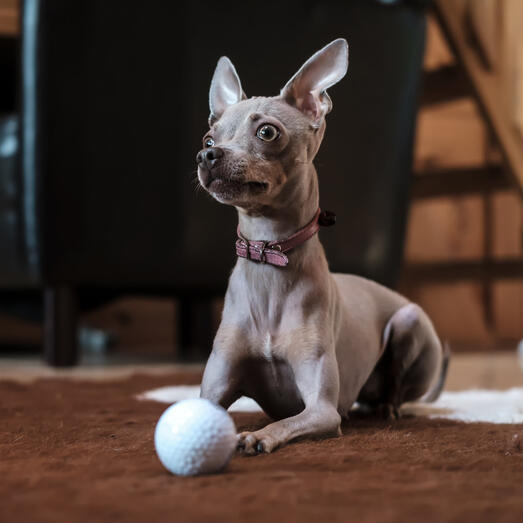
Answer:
(255, 443)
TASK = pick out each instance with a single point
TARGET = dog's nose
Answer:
(207, 158)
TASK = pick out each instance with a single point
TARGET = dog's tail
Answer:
(435, 391)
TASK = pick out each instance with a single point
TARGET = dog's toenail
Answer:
(259, 447)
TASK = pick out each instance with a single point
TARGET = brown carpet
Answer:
(83, 451)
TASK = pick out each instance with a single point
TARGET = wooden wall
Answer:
(446, 229)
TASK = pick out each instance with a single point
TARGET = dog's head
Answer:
(256, 147)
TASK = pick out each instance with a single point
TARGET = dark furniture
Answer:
(112, 107)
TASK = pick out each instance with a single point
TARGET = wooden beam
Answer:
(486, 88)
(445, 84)
(443, 272)
(456, 181)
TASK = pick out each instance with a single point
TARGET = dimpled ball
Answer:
(195, 436)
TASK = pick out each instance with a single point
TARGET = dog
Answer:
(304, 343)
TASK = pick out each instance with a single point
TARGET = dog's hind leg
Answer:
(410, 363)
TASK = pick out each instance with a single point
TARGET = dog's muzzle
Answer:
(208, 158)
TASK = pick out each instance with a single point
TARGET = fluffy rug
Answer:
(83, 451)
(491, 406)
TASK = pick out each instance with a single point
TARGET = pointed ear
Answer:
(226, 89)
(306, 90)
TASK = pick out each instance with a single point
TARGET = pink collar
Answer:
(274, 252)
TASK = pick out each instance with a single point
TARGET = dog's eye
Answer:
(268, 133)
(209, 142)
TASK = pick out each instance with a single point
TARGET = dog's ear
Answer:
(306, 90)
(226, 89)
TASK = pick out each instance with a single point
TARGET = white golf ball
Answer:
(195, 436)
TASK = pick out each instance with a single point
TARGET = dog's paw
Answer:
(387, 412)
(252, 443)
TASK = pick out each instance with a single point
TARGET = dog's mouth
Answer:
(257, 187)
(223, 186)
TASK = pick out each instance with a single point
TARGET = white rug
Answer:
(491, 406)
(183, 392)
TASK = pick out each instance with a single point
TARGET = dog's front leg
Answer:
(221, 378)
(317, 379)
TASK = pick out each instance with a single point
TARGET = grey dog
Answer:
(304, 343)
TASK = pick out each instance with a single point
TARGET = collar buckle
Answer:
(261, 251)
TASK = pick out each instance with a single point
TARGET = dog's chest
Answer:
(270, 380)
(268, 347)
(272, 348)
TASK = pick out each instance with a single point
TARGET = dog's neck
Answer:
(293, 210)
(264, 281)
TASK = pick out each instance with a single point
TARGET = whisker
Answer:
(196, 182)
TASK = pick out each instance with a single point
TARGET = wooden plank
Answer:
(485, 24)
(508, 309)
(452, 182)
(462, 270)
(454, 307)
(507, 225)
(437, 51)
(444, 84)
(445, 229)
(487, 90)
(450, 135)
(9, 23)
(513, 60)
